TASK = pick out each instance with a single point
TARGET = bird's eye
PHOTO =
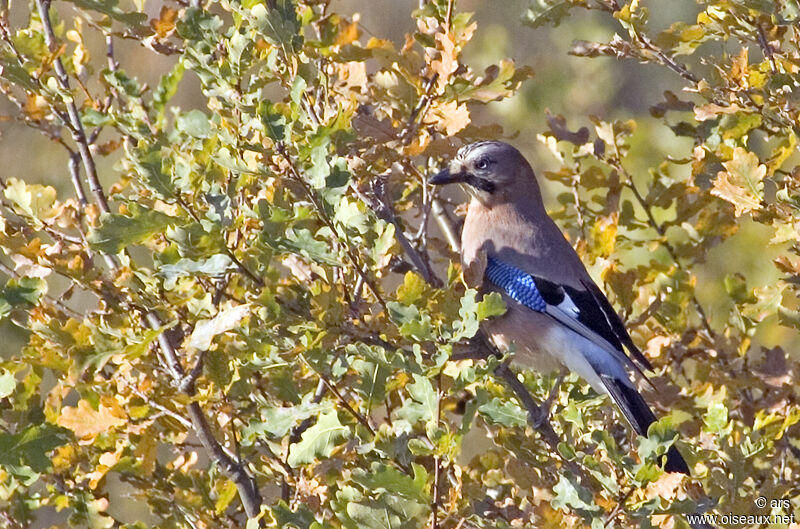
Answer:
(482, 163)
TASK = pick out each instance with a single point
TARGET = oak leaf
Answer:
(451, 117)
(87, 422)
(742, 182)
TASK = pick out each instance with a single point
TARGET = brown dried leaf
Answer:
(774, 370)
(558, 126)
(165, 23)
(369, 126)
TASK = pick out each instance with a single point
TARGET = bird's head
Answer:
(492, 171)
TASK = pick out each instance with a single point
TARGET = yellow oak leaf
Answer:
(87, 422)
(742, 182)
(450, 117)
(668, 486)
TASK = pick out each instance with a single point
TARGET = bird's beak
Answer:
(448, 177)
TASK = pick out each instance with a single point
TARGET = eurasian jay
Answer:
(556, 315)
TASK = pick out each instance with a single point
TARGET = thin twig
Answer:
(243, 269)
(111, 59)
(297, 431)
(535, 413)
(166, 411)
(75, 174)
(577, 198)
(766, 48)
(437, 460)
(360, 418)
(6, 36)
(448, 20)
(446, 225)
(236, 471)
(187, 383)
(418, 111)
(666, 60)
(383, 208)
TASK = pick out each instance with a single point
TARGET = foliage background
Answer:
(271, 299)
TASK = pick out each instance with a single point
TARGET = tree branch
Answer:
(446, 225)
(75, 174)
(418, 111)
(74, 123)
(383, 208)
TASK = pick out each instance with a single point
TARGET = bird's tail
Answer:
(639, 415)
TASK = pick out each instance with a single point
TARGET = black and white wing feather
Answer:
(585, 311)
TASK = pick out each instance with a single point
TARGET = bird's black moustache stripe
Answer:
(480, 183)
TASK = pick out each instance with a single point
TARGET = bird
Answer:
(556, 316)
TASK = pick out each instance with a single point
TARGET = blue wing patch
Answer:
(517, 284)
(576, 309)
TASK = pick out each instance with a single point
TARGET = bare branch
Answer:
(419, 111)
(666, 60)
(187, 384)
(74, 123)
(437, 460)
(766, 48)
(75, 174)
(446, 225)
(383, 208)
(236, 471)
(165, 411)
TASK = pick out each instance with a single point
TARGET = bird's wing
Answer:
(584, 312)
(614, 322)
(576, 309)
